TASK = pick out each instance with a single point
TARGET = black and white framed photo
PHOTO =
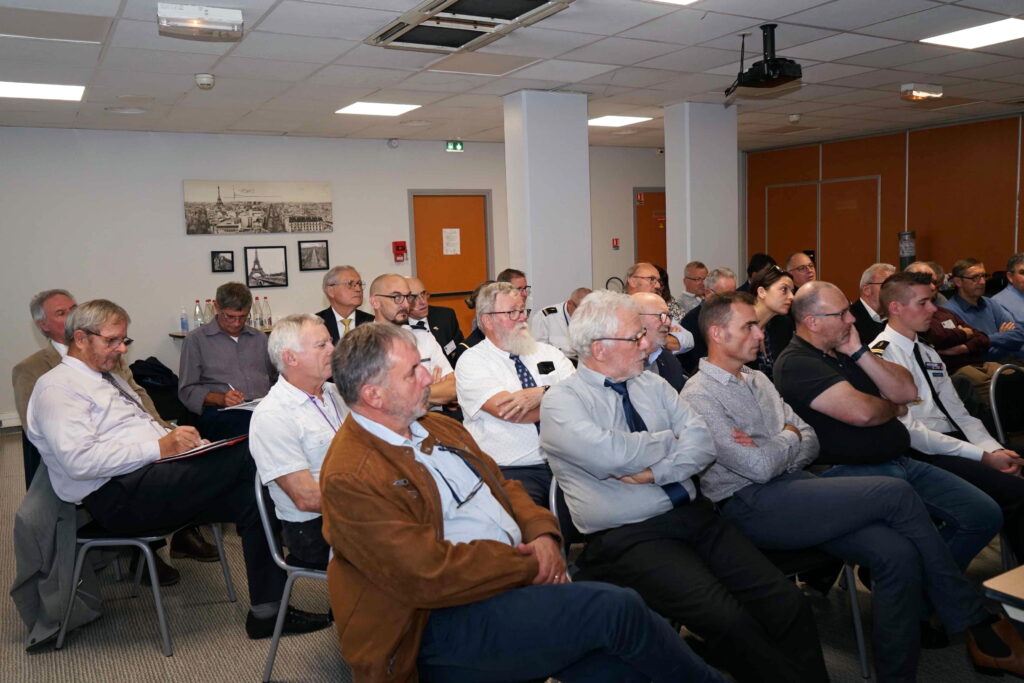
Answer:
(313, 255)
(222, 261)
(266, 267)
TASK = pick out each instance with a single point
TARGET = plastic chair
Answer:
(1005, 392)
(294, 572)
(93, 536)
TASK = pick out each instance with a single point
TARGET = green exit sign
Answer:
(453, 146)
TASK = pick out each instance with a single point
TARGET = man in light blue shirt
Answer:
(1005, 336)
(1012, 296)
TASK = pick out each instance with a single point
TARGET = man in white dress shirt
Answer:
(500, 383)
(292, 428)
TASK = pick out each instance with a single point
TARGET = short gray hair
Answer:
(808, 298)
(286, 336)
(631, 271)
(35, 306)
(91, 316)
(331, 276)
(362, 357)
(596, 317)
(1014, 262)
(869, 274)
(233, 296)
(487, 297)
(711, 281)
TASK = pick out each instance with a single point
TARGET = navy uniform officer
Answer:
(551, 325)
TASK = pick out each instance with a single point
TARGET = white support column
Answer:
(702, 191)
(547, 178)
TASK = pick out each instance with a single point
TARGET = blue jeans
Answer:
(586, 631)
(970, 518)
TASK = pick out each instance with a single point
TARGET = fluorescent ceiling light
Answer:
(41, 91)
(915, 92)
(980, 36)
(617, 121)
(377, 109)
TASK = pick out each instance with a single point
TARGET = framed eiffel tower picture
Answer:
(266, 267)
(237, 207)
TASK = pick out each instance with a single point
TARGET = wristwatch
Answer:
(859, 352)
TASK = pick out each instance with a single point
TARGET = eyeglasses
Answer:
(636, 340)
(459, 502)
(650, 278)
(112, 342)
(349, 284)
(425, 295)
(974, 278)
(524, 291)
(693, 279)
(804, 268)
(513, 314)
(662, 317)
(235, 318)
(397, 298)
(840, 314)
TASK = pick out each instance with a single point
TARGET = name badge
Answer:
(449, 347)
(949, 324)
(935, 366)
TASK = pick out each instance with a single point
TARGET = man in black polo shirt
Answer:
(853, 399)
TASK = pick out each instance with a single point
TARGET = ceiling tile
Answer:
(400, 96)
(563, 71)
(474, 101)
(31, 72)
(504, 86)
(898, 55)
(158, 61)
(624, 51)
(640, 96)
(447, 82)
(489, 135)
(693, 59)
(396, 5)
(595, 89)
(329, 21)
(786, 36)
(372, 55)
(949, 63)
(690, 27)
(252, 10)
(1011, 8)
(271, 69)
(852, 14)
(996, 72)
(932, 22)
(37, 118)
(289, 102)
(831, 71)
(481, 64)
(838, 47)
(48, 51)
(235, 92)
(532, 41)
(337, 95)
(359, 76)
(734, 68)
(184, 116)
(336, 126)
(268, 120)
(694, 83)
(291, 48)
(605, 17)
(143, 34)
(103, 8)
(152, 94)
(762, 9)
(633, 77)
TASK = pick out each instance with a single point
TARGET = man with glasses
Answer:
(392, 299)
(292, 428)
(225, 363)
(440, 321)
(694, 274)
(624, 446)
(344, 290)
(868, 314)
(444, 568)
(1005, 336)
(801, 267)
(103, 451)
(853, 399)
(517, 279)
(1012, 296)
(500, 384)
(644, 277)
(719, 281)
(551, 325)
(656, 320)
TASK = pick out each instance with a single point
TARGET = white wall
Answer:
(100, 213)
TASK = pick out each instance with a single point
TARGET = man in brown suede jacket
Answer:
(445, 570)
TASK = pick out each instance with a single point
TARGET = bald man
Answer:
(802, 268)
(440, 321)
(551, 325)
(644, 277)
(656, 320)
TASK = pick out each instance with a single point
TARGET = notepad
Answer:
(244, 405)
(205, 448)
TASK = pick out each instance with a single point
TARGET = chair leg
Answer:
(218, 538)
(79, 561)
(137, 581)
(858, 627)
(117, 567)
(154, 581)
(278, 626)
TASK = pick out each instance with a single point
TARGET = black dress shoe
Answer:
(166, 574)
(295, 621)
(933, 637)
(190, 543)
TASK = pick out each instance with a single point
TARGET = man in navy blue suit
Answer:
(656, 320)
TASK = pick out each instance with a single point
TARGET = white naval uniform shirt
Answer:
(551, 326)
(924, 419)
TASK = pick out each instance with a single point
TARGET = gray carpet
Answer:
(209, 636)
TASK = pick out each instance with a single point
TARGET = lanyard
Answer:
(320, 410)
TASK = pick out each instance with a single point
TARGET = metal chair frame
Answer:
(143, 544)
(294, 572)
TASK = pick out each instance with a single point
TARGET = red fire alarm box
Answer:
(399, 250)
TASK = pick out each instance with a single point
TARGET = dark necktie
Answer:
(525, 378)
(110, 378)
(935, 394)
(676, 492)
(421, 325)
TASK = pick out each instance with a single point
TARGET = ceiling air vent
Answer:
(456, 25)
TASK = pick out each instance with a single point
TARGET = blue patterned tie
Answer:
(525, 378)
(675, 491)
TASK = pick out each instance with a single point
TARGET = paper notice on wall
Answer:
(451, 239)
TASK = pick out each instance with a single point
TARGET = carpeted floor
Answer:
(209, 636)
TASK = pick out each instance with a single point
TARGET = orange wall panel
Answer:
(792, 220)
(795, 165)
(962, 194)
(849, 221)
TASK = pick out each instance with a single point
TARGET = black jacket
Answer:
(332, 323)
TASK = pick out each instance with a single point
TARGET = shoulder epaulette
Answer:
(879, 348)
(550, 309)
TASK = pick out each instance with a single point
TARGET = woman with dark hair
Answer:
(666, 293)
(773, 289)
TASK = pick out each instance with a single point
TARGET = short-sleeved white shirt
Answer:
(290, 432)
(485, 370)
(431, 354)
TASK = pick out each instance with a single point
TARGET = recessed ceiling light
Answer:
(616, 121)
(377, 109)
(415, 123)
(41, 91)
(980, 36)
(125, 110)
(915, 92)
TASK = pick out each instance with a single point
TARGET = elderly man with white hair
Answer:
(292, 428)
(868, 316)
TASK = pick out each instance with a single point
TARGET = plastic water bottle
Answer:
(208, 312)
(197, 316)
(268, 318)
(183, 321)
(257, 314)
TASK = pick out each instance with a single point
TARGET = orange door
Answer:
(649, 212)
(450, 233)
(791, 220)
(849, 232)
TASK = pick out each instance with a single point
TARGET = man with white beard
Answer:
(500, 383)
